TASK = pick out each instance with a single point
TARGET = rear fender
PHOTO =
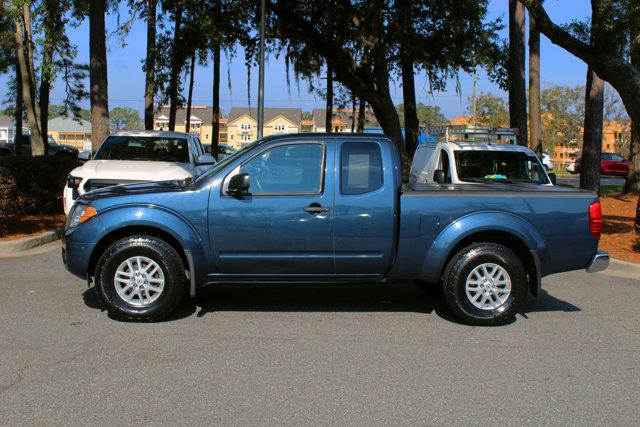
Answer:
(477, 222)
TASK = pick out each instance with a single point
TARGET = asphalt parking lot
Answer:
(315, 355)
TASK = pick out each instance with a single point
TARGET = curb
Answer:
(627, 270)
(14, 246)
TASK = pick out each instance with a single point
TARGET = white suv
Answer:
(129, 157)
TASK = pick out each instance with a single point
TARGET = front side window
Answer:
(361, 167)
(499, 166)
(290, 169)
(144, 148)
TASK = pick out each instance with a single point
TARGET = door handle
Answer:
(315, 208)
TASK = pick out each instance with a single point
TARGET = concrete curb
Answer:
(20, 245)
(623, 269)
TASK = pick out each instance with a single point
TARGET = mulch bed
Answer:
(619, 237)
(15, 227)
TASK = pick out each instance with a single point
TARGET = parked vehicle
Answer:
(55, 149)
(476, 162)
(224, 150)
(547, 162)
(309, 208)
(571, 167)
(138, 156)
(610, 164)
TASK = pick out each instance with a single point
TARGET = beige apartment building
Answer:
(200, 123)
(242, 125)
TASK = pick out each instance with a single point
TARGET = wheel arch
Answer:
(500, 228)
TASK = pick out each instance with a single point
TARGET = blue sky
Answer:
(126, 78)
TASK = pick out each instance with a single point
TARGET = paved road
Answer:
(307, 355)
(603, 181)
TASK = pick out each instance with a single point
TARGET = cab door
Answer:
(365, 208)
(283, 229)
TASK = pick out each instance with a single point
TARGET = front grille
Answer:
(95, 184)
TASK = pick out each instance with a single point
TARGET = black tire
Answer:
(158, 251)
(461, 266)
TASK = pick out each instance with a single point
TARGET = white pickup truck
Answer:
(128, 157)
(468, 155)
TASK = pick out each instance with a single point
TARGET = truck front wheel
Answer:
(485, 284)
(140, 278)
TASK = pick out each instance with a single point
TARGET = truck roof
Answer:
(483, 146)
(326, 135)
(150, 133)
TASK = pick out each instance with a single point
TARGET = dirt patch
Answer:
(15, 227)
(619, 237)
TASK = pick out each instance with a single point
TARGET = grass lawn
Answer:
(605, 190)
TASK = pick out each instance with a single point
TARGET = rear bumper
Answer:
(599, 262)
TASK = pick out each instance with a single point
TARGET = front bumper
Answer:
(599, 262)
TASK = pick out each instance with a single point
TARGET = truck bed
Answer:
(553, 219)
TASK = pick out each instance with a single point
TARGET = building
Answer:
(200, 123)
(615, 139)
(7, 129)
(71, 131)
(242, 123)
(343, 119)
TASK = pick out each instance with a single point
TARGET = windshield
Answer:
(149, 148)
(499, 166)
(222, 163)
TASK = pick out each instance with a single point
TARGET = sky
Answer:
(126, 78)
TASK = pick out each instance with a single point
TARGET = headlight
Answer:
(80, 214)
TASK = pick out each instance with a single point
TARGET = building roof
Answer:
(6, 121)
(69, 124)
(342, 116)
(198, 112)
(294, 115)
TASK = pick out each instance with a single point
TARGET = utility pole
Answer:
(473, 98)
(261, 74)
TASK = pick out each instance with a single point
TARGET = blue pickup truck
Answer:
(318, 208)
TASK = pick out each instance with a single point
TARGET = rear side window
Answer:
(361, 167)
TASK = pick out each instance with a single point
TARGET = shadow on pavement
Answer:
(393, 297)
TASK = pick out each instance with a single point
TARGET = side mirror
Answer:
(553, 178)
(239, 184)
(84, 155)
(206, 160)
(438, 176)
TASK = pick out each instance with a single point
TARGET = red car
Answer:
(610, 164)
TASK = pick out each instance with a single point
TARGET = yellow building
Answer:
(200, 123)
(242, 125)
(70, 131)
(614, 135)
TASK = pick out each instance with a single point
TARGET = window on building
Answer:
(280, 128)
(245, 137)
(245, 126)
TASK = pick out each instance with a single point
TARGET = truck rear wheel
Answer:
(140, 278)
(485, 284)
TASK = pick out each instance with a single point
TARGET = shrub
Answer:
(33, 185)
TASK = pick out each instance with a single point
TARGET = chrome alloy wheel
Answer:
(488, 286)
(139, 281)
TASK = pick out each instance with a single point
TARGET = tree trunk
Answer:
(361, 115)
(24, 54)
(149, 64)
(411, 124)
(215, 125)
(98, 74)
(17, 137)
(592, 141)
(175, 67)
(632, 185)
(534, 88)
(46, 78)
(353, 113)
(517, 85)
(329, 111)
(187, 125)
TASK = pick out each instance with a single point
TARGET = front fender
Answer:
(477, 222)
(117, 218)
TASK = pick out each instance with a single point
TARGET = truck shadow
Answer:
(395, 297)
